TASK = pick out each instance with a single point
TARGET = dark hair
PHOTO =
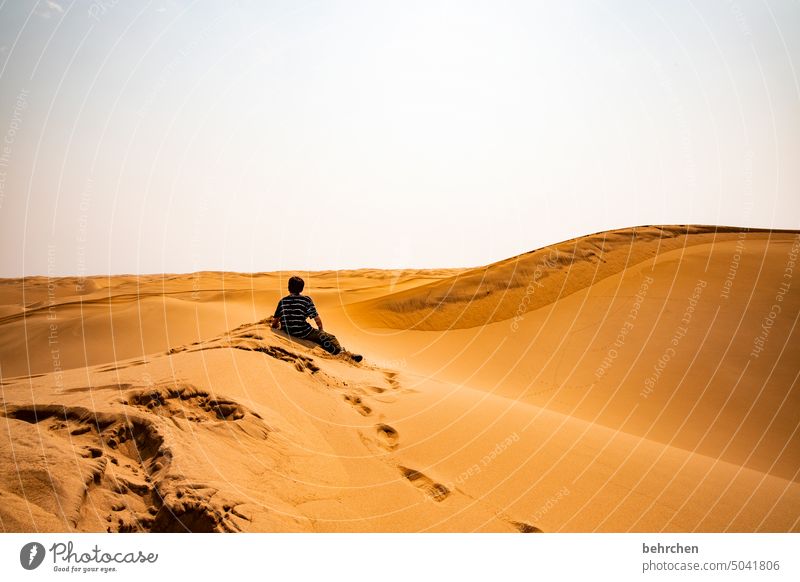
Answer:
(296, 285)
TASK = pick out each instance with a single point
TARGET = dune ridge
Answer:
(533, 280)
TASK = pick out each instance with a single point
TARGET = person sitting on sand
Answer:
(292, 313)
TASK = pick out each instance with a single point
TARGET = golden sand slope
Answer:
(649, 398)
(528, 282)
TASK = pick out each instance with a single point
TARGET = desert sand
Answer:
(642, 379)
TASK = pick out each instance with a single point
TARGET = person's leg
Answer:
(330, 343)
(327, 340)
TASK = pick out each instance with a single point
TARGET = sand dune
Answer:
(528, 282)
(635, 380)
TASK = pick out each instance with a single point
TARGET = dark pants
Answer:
(327, 340)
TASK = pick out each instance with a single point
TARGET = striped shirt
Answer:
(293, 310)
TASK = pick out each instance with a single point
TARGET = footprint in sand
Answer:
(358, 404)
(394, 384)
(525, 527)
(391, 379)
(388, 437)
(434, 490)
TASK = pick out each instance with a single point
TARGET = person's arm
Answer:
(276, 319)
(312, 313)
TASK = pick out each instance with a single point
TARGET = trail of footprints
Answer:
(388, 438)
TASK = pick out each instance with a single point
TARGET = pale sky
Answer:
(177, 136)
